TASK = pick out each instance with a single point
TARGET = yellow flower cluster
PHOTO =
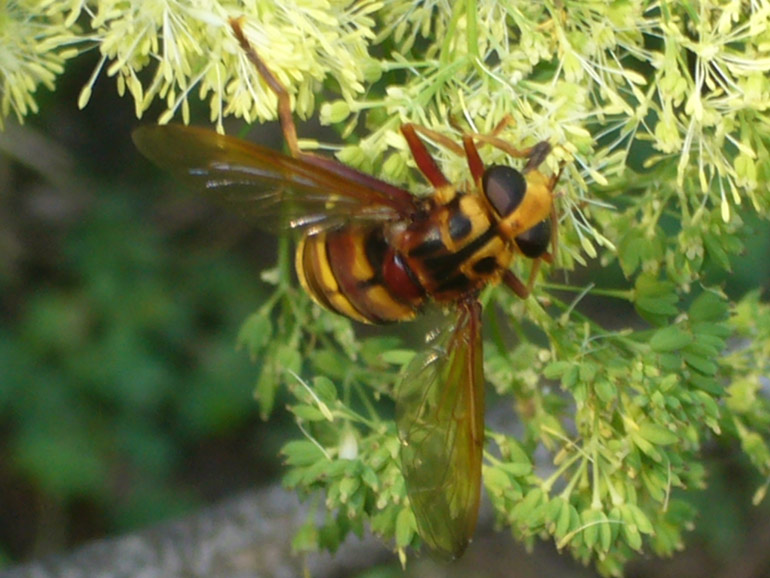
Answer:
(34, 44)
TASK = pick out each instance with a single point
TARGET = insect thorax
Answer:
(457, 250)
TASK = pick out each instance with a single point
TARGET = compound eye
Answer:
(504, 188)
(534, 242)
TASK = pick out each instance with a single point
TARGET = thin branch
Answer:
(246, 537)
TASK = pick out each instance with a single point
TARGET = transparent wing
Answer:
(440, 418)
(273, 190)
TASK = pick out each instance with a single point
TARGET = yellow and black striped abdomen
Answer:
(346, 270)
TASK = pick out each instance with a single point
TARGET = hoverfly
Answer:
(376, 253)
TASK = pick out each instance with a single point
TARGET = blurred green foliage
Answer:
(118, 359)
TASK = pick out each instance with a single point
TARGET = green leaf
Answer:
(706, 383)
(383, 522)
(720, 330)
(570, 377)
(556, 369)
(629, 250)
(375, 349)
(588, 372)
(325, 389)
(266, 388)
(398, 356)
(700, 364)
(255, 332)
(756, 448)
(512, 450)
(671, 380)
(288, 358)
(370, 478)
(554, 508)
(605, 390)
(708, 307)
(703, 348)
(406, 526)
(655, 483)
(629, 528)
(348, 486)
(670, 362)
(331, 364)
(715, 250)
(593, 520)
(590, 530)
(649, 286)
(713, 341)
(516, 469)
(646, 447)
(657, 434)
(606, 533)
(306, 538)
(564, 521)
(496, 481)
(524, 509)
(640, 519)
(657, 305)
(669, 339)
(655, 300)
(307, 412)
(302, 453)
(615, 522)
(329, 536)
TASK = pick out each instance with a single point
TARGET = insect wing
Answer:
(274, 190)
(440, 418)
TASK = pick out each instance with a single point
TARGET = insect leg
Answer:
(554, 226)
(438, 138)
(505, 122)
(451, 145)
(475, 164)
(516, 285)
(535, 154)
(284, 103)
(425, 162)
